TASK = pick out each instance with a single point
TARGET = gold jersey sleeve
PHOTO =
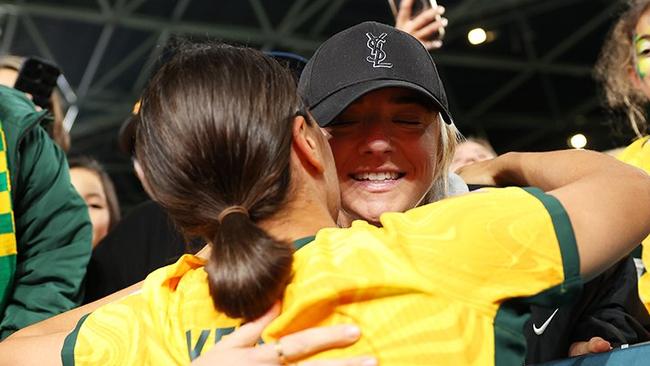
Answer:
(442, 284)
(445, 283)
(638, 155)
(169, 322)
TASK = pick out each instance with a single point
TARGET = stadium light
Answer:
(578, 141)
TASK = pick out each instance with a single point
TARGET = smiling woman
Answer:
(385, 146)
(385, 106)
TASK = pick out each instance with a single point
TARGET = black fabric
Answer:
(363, 58)
(609, 307)
(142, 242)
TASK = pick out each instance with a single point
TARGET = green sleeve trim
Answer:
(67, 352)
(509, 341)
(302, 242)
(563, 231)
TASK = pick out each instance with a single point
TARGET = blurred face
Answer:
(90, 188)
(469, 152)
(8, 77)
(642, 52)
(384, 146)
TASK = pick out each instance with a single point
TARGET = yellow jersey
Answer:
(638, 155)
(447, 283)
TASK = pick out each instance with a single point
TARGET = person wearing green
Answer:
(45, 232)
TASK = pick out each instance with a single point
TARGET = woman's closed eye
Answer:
(407, 121)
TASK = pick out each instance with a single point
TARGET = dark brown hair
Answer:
(93, 165)
(616, 59)
(215, 131)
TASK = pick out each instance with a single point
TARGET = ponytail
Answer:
(248, 270)
(214, 131)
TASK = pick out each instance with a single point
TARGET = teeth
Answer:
(376, 176)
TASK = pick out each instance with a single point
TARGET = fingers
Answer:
(404, 13)
(425, 18)
(310, 341)
(432, 45)
(598, 345)
(357, 361)
(249, 333)
(595, 345)
(305, 343)
(428, 26)
(434, 30)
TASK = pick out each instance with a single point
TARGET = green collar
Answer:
(302, 242)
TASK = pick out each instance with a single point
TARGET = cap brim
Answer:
(325, 111)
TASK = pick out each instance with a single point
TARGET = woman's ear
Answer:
(306, 145)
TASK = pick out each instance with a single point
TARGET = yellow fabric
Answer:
(425, 288)
(638, 155)
(8, 244)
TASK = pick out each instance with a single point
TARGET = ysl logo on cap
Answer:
(377, 54)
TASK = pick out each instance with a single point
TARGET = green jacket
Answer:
(52, 228)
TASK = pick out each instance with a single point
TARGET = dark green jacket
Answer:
(52, 227)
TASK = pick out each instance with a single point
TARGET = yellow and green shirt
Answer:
(8, 250)
(638, 155)
(446, 283)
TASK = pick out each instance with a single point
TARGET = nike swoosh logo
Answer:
(540, 330)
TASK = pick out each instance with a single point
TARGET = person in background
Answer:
(428, 27)
(96, 188)
(624, 70)
(471, 150)
(45, 233)
(9, 67)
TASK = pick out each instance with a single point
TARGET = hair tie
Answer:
(231, 210)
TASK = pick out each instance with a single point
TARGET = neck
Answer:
(302, 216)
(299, 219)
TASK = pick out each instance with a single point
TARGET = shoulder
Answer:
(156, 316)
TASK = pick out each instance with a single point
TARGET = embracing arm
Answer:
(48, 337)
(597, 191)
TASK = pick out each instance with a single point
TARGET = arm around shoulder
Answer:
(608, 202)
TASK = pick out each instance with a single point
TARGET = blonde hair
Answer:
(449, 138)
(616, 59)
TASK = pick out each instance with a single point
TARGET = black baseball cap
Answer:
(363, 58)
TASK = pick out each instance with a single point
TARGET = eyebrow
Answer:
(94, 195)
(644, 37)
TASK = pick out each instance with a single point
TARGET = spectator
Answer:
(428, 27)
(624, 70)
(471, 150)
(46, 232)
(9, 67)
(96, 188)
